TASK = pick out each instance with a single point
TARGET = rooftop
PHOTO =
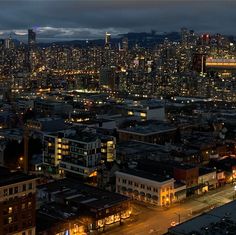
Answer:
(221, 220)
(79, 193)
(148, 128)
(8, 178)
(146, 175)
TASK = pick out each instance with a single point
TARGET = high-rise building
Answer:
(8, 43)
(17, 202)
(31, 37)
(125, 44)
(108, 41)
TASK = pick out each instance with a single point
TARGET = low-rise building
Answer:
(207, 180)
(17, 203)
(147, 187)
(151, 132)
(71, 201)
(221, 220)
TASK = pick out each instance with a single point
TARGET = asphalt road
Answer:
(156, 221)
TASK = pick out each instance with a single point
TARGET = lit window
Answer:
(10, 220)
(29, 204)
(143, 114)
(10, 210)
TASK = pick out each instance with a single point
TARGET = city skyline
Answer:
(89, 19)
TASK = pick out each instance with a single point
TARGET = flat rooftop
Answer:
(221, 220)
(149, 128)
(79, 193)
(130, 147)
(8, 178)
(146, 175)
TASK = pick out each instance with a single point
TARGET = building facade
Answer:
(146, 187)
(17, 203)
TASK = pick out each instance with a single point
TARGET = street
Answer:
(156, 221)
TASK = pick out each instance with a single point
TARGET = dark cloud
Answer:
(91, 18)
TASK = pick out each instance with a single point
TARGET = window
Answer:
(23, 206)
(16, 190)
(24, 187)
(130, 182)
(10, 220)
(5, 192)
(29, 204)
(136, 184)
(30, 186)
(149, 188)
(9, 210)
(124, 181)
(155, 190)
(10, 191)
(142, 186)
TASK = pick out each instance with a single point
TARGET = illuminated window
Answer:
(143, 114)
(29, 204)
(10, 220)
(10, 210)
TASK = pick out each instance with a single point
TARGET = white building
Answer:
(146, 187)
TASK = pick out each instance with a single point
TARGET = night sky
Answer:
(88, 19)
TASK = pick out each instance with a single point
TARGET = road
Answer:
(156, 221)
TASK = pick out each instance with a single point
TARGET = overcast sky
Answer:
(87, 19)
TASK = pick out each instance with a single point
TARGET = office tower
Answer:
(8, 43)
(125, 44)
(17, 202)
(108, 41)
(31, 37)
(184, 35)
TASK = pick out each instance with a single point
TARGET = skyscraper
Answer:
(108, 41)
(125, 44)
(31, 37)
